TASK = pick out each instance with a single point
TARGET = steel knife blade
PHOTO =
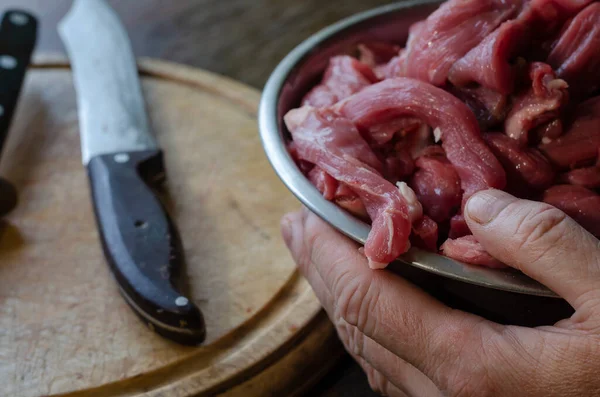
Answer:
(124, 166)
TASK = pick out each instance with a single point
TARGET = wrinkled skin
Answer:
(409, 344)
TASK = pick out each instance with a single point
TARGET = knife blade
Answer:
(125, 165)
(18, 36)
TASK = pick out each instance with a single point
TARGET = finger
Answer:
(401, 374)
(539, 240)
(442, 343)
(292, 229)
(378, 382)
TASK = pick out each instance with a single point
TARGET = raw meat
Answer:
(526, 169)
(491, 64)
(587, 177)
(449, 33)
(461, 139)
(344, 76)
(394, 136)
(579, 203)
(425, 234)
(580, 143)
(468, 250)
(437, 186)
(458, 227)
(538, 105)
(575, 54)
(333, 143)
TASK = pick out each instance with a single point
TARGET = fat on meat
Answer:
(455, 124)
(538, 105)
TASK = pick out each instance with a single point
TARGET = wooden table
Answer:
(240, 39)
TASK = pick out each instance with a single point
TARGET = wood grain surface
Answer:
(64, 328)
(241, 39)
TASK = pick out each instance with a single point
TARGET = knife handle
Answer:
(18, 35)
(141, 243)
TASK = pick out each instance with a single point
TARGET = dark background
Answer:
(241, 39)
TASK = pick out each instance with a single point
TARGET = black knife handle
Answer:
(18, 35)
(141, 244)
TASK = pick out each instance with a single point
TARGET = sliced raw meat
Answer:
(490, 64)
(579, 145)
(344, 76)
(450, 32)
(348, 200)
(399, 164)
(377, 53)
(588, 177)
(451, 119)
(538, 105)
(489, 106)
(575, 56)
(323, 182)
(425, 234)
(437, 187)
(458, 227)
(380, 134)
(579, 203)
(468, 250)
(334, 144)
(525, 168)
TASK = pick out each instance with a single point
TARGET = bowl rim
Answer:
(307, 194)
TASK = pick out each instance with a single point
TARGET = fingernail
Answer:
(286, 229)
(484, 207)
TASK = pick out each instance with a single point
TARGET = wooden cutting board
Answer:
(64, 328)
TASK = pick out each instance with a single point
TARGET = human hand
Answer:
(409, 344)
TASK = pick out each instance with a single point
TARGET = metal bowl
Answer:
(297, 73)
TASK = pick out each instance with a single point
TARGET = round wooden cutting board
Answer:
(65, 329)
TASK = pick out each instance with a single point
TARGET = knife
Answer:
(18, 35)
(125, 168)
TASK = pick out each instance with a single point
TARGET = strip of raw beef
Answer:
(579, 203)
(458, 227)
(588, 177)
(490, 64)
(451, 119)
(468, 250)
(526, 168)
(489, 106)
(538, 105)
(425, 234)
(437, 186)
(579, 145)
(450, 32)
(334, 144)
(344, 76)
(575, 56)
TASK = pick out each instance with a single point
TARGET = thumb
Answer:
(538, 239)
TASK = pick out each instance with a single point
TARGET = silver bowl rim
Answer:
(285, 168)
